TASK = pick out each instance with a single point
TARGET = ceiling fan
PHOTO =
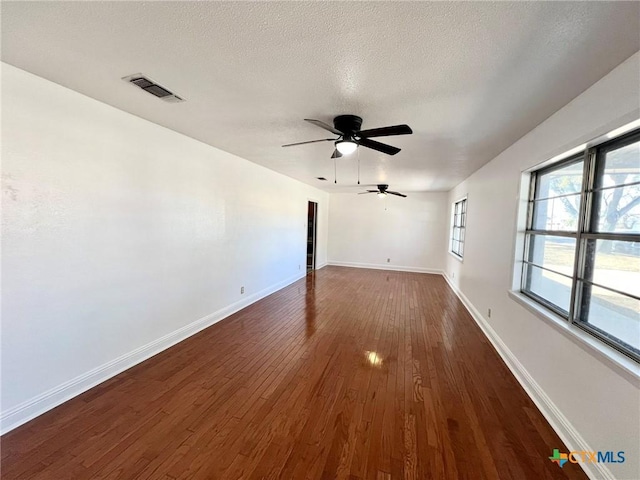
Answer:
(347, 127)
(382, 191)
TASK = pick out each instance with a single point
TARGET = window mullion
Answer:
(553, 233)
(532, 196)
(586, 203)
(624, 237)
(529, 225)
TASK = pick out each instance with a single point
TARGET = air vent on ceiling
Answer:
(148, 85)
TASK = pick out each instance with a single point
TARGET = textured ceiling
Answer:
(469, 78)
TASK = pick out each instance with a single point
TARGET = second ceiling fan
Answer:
(383, 191)
(347, 127)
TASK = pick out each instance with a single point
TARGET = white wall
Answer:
(601, 402)
(365, 231)
(119, 234)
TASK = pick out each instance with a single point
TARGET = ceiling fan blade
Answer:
(381, 147)
(368, 191)
(336, 154)
(386, 131)
(311, 141)
(396, 193)
(320, 124)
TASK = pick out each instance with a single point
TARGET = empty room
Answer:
(320, 240)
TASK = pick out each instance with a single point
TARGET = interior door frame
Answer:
(313, 230)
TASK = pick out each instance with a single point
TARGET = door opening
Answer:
(312, 212)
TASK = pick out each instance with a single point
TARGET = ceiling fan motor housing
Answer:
(348, 124)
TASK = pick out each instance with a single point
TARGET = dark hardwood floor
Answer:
(349, 373)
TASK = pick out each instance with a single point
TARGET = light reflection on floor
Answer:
(373, 358)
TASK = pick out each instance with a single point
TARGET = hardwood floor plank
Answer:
(348, 374)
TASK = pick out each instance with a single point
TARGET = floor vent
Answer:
(149, 86)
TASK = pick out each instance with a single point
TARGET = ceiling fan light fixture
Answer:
(382, 194)
(346, 147)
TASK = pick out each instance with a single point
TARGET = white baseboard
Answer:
(383, 266)
(561, 424)
(28, 410)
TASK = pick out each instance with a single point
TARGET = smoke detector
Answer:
(149, 86)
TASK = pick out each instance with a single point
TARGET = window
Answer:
(582, 250)
(459, 224)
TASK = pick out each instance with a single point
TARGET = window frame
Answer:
(587, 230)
(464, 205)
(530, 232)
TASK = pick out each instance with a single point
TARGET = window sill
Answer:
(460, 259)
(602, 351)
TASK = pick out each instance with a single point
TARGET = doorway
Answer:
(312, 214)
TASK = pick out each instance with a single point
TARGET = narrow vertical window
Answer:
(459, 223)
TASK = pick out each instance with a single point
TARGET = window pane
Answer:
(562, 181)
(554, 288)
(619, 210)
(615, 314)
(622, 166)
(554, 253)
(557, 214)
(614, 264)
